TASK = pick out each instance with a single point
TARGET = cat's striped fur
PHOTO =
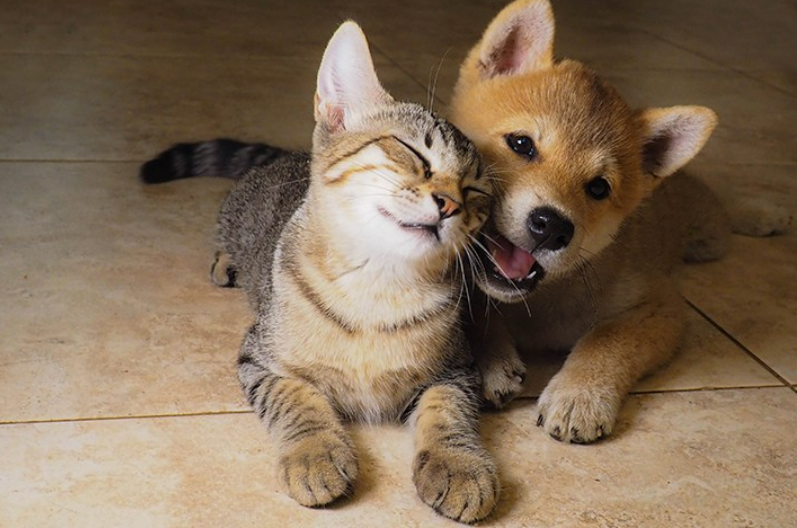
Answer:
(222, 158)
(350, 260)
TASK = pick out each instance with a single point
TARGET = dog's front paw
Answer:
(318, 470)
(759, 218)
(503, 378)
(581, 414)
(460, 484)
(222, 271)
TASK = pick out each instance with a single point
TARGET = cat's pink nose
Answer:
(448, 206)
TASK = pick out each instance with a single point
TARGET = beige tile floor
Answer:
(118, 399)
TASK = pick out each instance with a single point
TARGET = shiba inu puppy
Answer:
(589, 223)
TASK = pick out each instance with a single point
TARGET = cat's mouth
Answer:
(415, 227)
(509, 270)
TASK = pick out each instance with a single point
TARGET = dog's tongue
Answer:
(513, 262)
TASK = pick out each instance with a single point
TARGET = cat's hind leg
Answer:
(222, 271)
(317, 461)
(452, 470)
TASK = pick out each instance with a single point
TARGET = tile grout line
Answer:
(721, 64)
(43, 160)
(704, 389)
(741, 346)
(241, 412)
(119, 418)
(688, 390)
(135, 56)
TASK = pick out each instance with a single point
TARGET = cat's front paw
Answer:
(503, 378)
(577, 413)
(460, 484)
(318, 470)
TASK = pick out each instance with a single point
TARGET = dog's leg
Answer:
(759, 218)
(222, 271)
(581, 403)
(503, 371)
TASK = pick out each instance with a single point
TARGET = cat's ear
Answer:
(673, 136)
(347, 82)
(518, 40)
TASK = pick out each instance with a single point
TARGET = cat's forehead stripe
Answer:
(373, 157)
(356, 150)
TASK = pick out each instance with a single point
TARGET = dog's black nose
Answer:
(550, 229)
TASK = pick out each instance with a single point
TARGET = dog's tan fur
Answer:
(608, 296)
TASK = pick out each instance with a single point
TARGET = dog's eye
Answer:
(522, 145)
(599, 188)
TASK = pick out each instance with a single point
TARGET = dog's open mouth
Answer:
(508, 267)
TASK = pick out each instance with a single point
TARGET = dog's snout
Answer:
(550, 229)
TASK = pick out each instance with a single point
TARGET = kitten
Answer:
(352, 261)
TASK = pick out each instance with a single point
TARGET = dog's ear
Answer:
(518, 40)
(347, 82)
(673, 136)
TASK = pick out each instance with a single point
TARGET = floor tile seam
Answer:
(87, 160)
(753, 163)
(722, 64)
(243, 412)
(100, 54)
(739, 344)
(691, 390)
(709, 389)
(125, 417)
(604, 70)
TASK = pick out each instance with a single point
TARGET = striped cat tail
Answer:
(222, 158)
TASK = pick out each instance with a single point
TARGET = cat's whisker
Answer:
(492, 176)
(350, 199)
(434, 84)
(285, 183)
(486, 251)
(474, 265)
(377, 171)
(491, 239)
(477, 266)
(492, 259)
(456, 273)
(463, 284)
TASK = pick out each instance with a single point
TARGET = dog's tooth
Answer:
(531, 275)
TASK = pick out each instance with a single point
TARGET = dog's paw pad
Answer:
(222, 272)
(580, 415)
(760, 219)
(503, 380)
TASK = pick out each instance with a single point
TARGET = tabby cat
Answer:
(352, 260)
